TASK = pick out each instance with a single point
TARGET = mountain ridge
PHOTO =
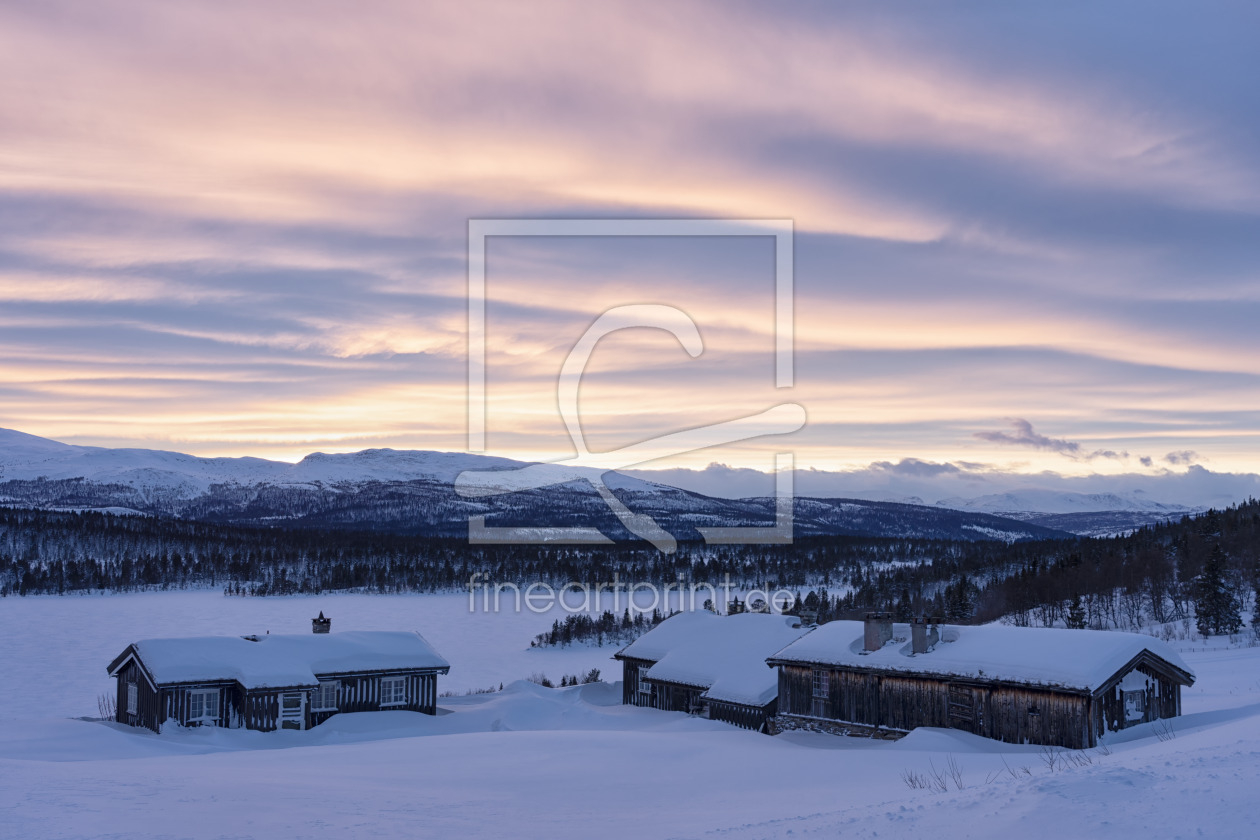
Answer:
(390, 489)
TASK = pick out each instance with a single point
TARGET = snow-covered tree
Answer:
(1076, 614)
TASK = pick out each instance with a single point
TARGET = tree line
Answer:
(1205, 566)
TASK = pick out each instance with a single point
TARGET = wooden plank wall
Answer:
(1005, 713)
(175, 706)
(630, 694)
(362, 693)
(260, 709)
(148, 708)
(745, 717)
(1163, 700)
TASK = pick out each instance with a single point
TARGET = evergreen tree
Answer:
(959, 600)
(1076, 614)
(1215, 607)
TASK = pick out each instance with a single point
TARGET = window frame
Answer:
(1136, 701)
(645, 687)
(820, 692)
(319, 701)
(200, 696)
(398, 688)
(821, 677)
(133, 698)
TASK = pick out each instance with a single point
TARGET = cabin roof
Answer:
(280, 661)
(1075, 659)
(726, 655)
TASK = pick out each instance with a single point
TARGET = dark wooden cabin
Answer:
(274, 681)
(710, 665)
(1057, 687)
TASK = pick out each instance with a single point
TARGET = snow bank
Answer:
(724, 654)
(281, 661)
(1081, 659)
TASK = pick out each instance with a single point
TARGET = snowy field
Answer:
(535, 762)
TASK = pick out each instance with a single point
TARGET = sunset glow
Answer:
(240, 229)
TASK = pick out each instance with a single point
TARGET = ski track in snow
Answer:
(558, 763)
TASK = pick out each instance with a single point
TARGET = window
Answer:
(1134, 705)
(203, 706)
(821, 692)
(326, 697)
(822, 685)
(393, 691)
(645, 687)
(133, 698)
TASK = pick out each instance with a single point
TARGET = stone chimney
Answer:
(321, 624)
(922, 635)
(878, 630)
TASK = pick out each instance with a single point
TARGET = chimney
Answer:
(922, 635)
(321, 624)
(878, 630)
(809, 610)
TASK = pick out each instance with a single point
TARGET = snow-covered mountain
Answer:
(414, 491)
(1030, 500)
(1088, 514)
(27, 457)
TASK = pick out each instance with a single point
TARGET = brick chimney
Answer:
(922, 635)
(321, 624)
(878, 630)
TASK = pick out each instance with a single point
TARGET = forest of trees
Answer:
(603, 629)
(1202, 569)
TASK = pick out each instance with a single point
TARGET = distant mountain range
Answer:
(413, 492)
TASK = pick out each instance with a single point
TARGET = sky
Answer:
(1026, 237)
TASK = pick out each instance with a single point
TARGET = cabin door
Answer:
(293, 710)
(966, 709)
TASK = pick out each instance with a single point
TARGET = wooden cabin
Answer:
(710, 665)
(274, 681)
(1057, 687)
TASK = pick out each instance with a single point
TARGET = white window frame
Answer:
(394, 687)
(133, 698)
(205, 698)
(320, 700)
(645, 687)
(822, 684)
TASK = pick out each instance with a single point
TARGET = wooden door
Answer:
(293, 710)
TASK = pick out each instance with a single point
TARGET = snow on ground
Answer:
(559, 763)
(64, 643)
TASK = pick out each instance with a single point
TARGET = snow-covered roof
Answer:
(277, 661)
(1077, 659)
(724, 654)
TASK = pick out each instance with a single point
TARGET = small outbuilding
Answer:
(274, 681)
(710, 665)
(1021, 685)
